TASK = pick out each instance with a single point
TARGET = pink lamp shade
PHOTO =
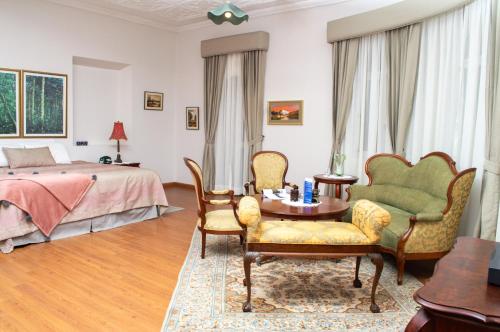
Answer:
(118, 131)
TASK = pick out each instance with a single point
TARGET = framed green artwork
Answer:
(10, 103)
(45, 104)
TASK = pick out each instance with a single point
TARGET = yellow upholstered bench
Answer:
(308, 238)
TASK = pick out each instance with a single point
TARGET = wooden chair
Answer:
(285, 238)
(217, 222)
(269, 171)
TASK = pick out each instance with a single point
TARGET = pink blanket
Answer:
(47, 198)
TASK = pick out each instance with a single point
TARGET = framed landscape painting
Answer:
(192, 118)
(10, 103)
(45, 104)
(289, 112)
(153, 101)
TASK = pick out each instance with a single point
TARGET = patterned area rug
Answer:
(287, 294)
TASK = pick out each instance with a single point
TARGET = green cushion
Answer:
(431, 175)
(400, 221)
(411, 200)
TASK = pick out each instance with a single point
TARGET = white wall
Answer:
(298, 67)
(38, 35)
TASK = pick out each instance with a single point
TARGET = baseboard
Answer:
(178, 185)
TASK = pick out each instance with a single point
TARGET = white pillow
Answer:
(3, 159)
(57, 150)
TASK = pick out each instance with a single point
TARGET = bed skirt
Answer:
(85, 226)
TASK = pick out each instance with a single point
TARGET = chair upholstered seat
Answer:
(220, 220)
(310, 232)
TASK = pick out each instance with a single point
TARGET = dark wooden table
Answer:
(322, 178)
(458, 296)
(330, 208)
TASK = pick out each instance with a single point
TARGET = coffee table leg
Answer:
(316, 184)
(338, 190)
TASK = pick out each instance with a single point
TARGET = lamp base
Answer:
(118, 159)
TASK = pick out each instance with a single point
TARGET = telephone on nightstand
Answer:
(105, 160)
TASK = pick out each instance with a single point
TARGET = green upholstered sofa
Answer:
(425, 200)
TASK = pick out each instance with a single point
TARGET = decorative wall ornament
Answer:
(45, 104)
(192, 118)
(153, 101)
(10, 103)
(290, 112)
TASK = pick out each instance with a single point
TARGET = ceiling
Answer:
(185, 14)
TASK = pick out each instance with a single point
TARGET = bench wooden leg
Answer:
(378, 261)
(357, 283)
(247, 262)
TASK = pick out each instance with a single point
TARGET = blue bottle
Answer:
(308, 190)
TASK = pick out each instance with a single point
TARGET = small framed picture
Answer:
(192, 118)
(10, 103)
(153, 101)
(45, 104)
(290, 112)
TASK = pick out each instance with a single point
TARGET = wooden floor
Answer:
(116, 280)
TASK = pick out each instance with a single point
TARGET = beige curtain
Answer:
(491, 178)
(345, 59)
(403, 46)
(254, 68)
(213, 79)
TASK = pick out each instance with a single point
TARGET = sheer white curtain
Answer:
(449, 111)
(231, 149)
(367, 132)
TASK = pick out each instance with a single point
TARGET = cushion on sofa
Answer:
(310, 232)
(411, 200)
(431, 175)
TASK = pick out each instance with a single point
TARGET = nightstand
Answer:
(128, 164)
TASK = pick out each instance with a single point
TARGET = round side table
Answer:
(321, 178)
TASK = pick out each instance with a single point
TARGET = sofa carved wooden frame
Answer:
(253, 184)
(399, 254)
(262, 251)
(203, 203)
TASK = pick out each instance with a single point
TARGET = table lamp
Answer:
(118, 134)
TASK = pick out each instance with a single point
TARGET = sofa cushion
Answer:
(310, 232)
(431, 175)
(408, 199)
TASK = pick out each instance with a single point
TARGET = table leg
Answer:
(338, 190)
(420, 322)
(316, 184)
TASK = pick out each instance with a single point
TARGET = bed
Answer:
(119, 196)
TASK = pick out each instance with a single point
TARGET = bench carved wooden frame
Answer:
(255, 251)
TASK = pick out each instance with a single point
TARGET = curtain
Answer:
(345, 58)
(231, 150)
(402, 56)
(449, 105)
(213, 79)
(488, 225)
(254, 67)
(367, 131)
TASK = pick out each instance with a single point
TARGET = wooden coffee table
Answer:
(321, 178)
(458, 296)
(330, 208)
